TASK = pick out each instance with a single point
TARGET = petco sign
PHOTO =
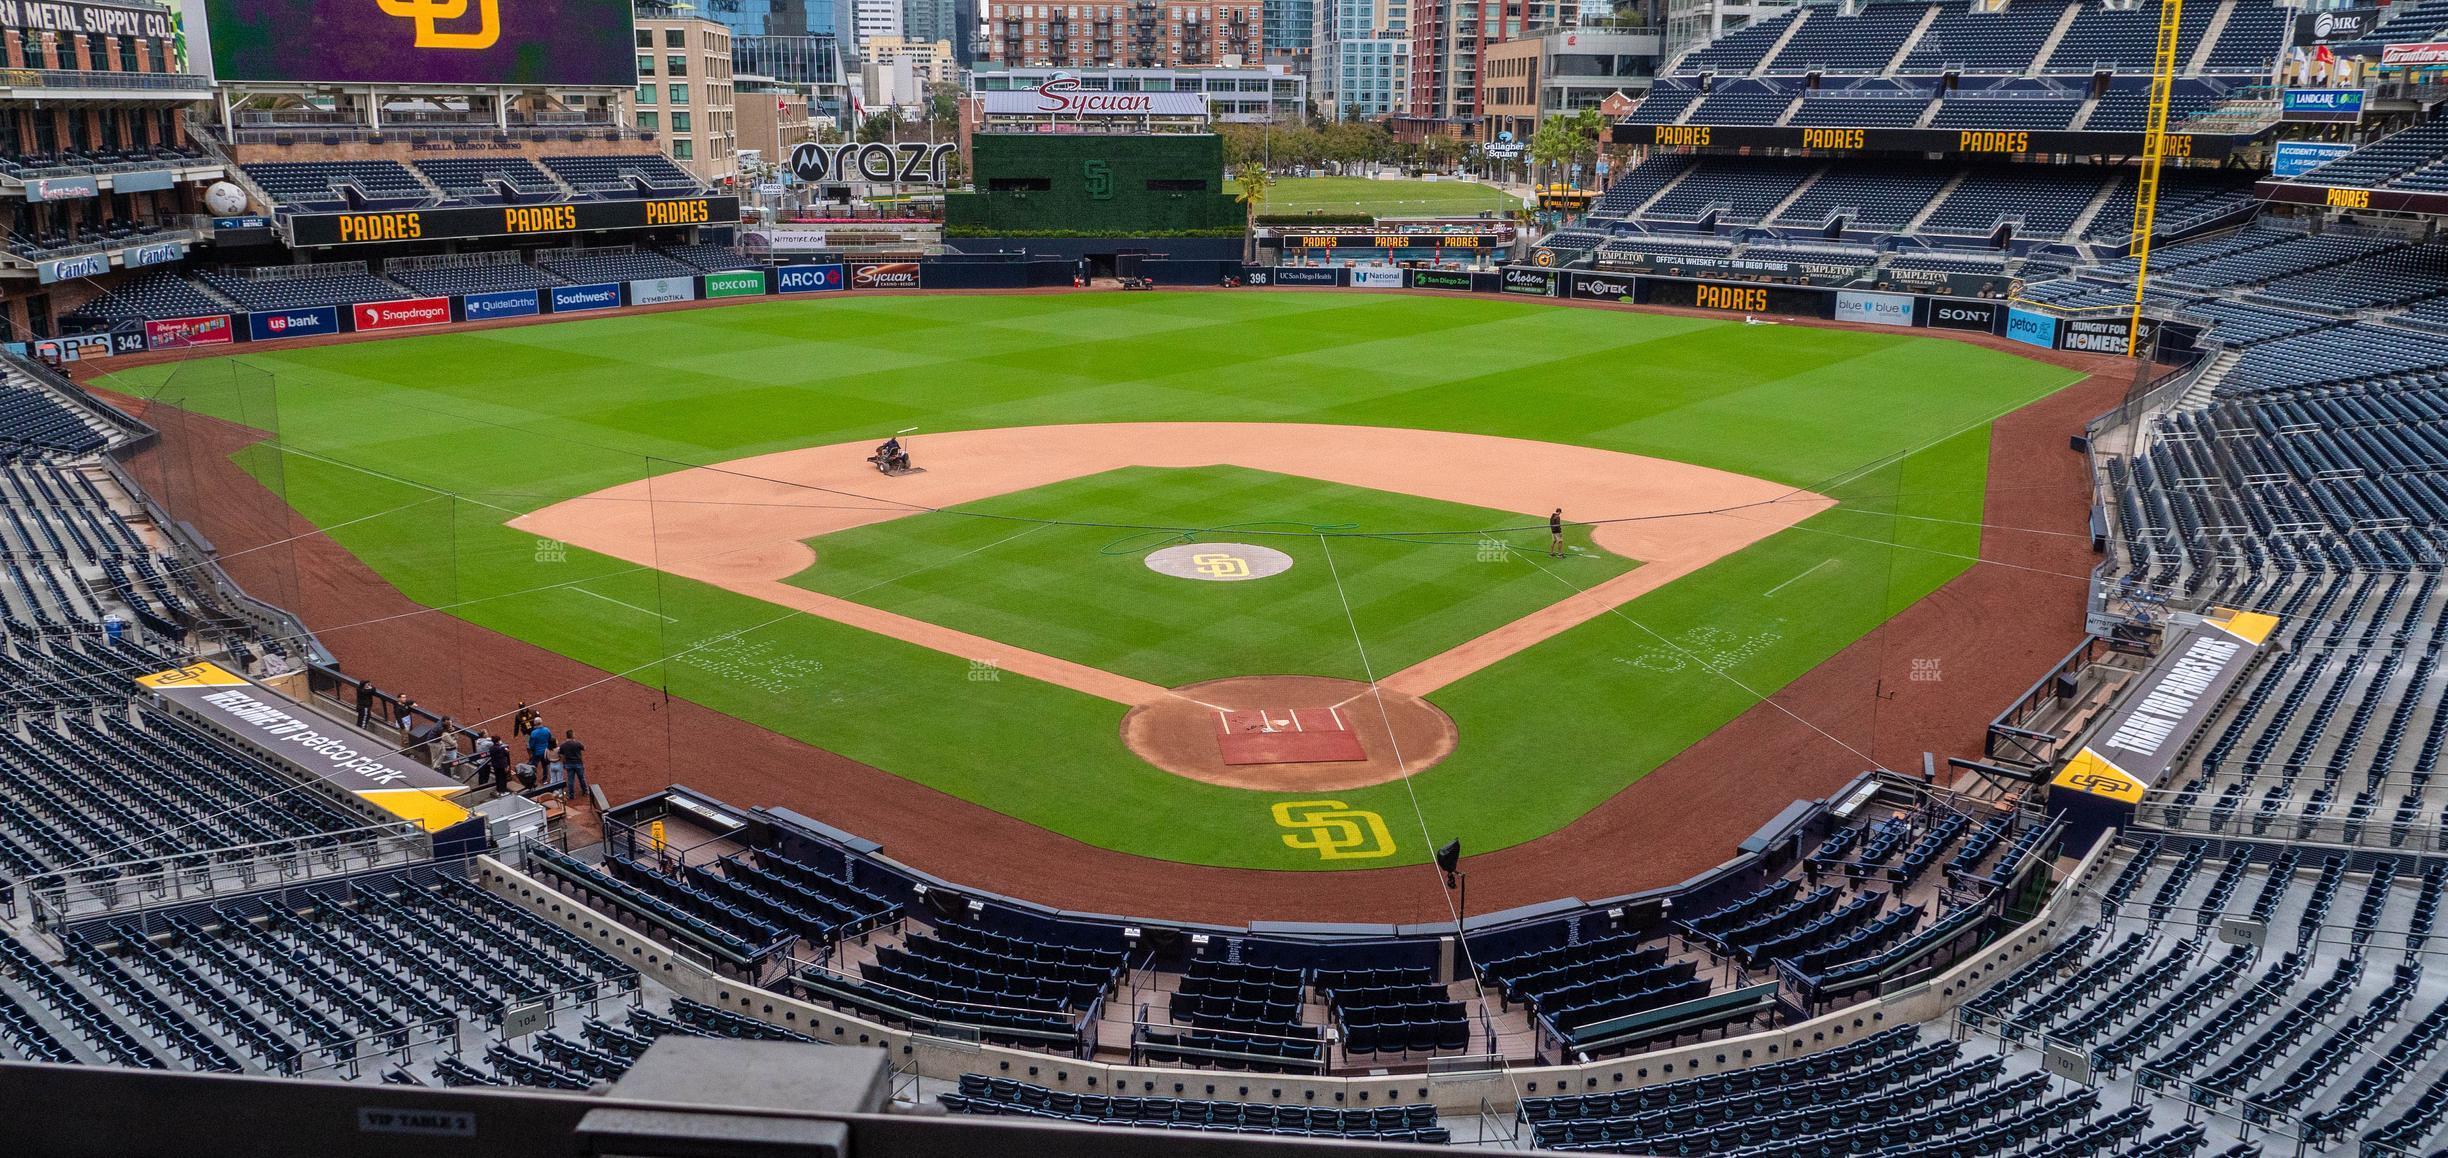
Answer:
(1876, 309)
(264, 327)
(401, 314)
(1062, 96)
(2032, 329)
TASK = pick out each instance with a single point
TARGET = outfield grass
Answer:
(414, 451)
(1021, 568)
(1389, 197)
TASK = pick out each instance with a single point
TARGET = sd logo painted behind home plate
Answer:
(1218, 562)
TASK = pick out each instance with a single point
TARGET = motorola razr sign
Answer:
(909, 163)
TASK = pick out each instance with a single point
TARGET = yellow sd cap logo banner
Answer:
(429, 13)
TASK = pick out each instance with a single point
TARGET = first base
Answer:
(1286, 736)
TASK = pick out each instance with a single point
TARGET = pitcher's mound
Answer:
(1321, 734)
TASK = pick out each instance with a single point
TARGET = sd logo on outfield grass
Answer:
(1334, 830)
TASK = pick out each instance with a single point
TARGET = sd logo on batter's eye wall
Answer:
(1334, 830)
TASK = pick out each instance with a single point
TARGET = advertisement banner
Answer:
(66, 16)
(155, 254)
(735, 283)
(221, 223)
(1603, 287)
(75, 348)
(1954, 142)
(1738, 299)
(63, 269)
(808, 279)
(651, 291)
(1301, 275)
(784, 238)
(313, 229)
(2296, 158)
(1439, 279)
(1536, 282)
(2335, 26)
(142, 181)
(180, 333)
(2032, 329)
(884, 275)
(400, 315)
(569, 299)
(1875, 309)
(1956, 314)
(1377, 276)
(128, 338)
(2414, 55)
(2101, 336)
(61, 188)
(268, 325)
(499, 304)
(525, 43)
(1061, 96)
(2321, 104)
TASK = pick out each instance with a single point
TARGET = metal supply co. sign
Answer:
(1062, 96)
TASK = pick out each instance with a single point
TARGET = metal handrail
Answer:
(66, 896)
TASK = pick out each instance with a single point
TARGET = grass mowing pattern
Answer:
(1083, 593)
(1391, 197)
(511, 419)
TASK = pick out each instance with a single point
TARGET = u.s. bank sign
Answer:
(910, 163)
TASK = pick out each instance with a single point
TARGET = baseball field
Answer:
(680, 500)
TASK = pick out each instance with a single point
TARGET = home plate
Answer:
(1286, 736)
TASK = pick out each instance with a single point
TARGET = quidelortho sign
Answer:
(499, 304)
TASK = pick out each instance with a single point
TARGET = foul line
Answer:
(1771, 592)
(631, 606)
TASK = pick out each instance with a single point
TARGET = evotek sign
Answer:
(1603, 287)
(401, 314)
(271, 325)
(919, 163)
(884, 275)
(808, 279)
(1062, 96)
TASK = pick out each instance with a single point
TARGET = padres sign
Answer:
(1334, 830)
(1218, 562)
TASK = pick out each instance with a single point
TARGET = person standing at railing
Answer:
(573, 763)
(366, 691)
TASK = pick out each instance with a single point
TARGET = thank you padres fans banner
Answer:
(241, 709)
(2137, 743)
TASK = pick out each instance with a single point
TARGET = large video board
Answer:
(555, 43)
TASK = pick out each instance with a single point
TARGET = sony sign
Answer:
(919, 163)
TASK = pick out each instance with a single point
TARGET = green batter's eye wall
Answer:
(1096, 185)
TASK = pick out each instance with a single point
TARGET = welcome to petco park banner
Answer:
(2135, 745)
(238, 708)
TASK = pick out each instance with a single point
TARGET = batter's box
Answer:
(1287, 736)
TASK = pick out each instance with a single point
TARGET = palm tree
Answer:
(1251, 182)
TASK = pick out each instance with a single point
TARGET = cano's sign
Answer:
(492, 43)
